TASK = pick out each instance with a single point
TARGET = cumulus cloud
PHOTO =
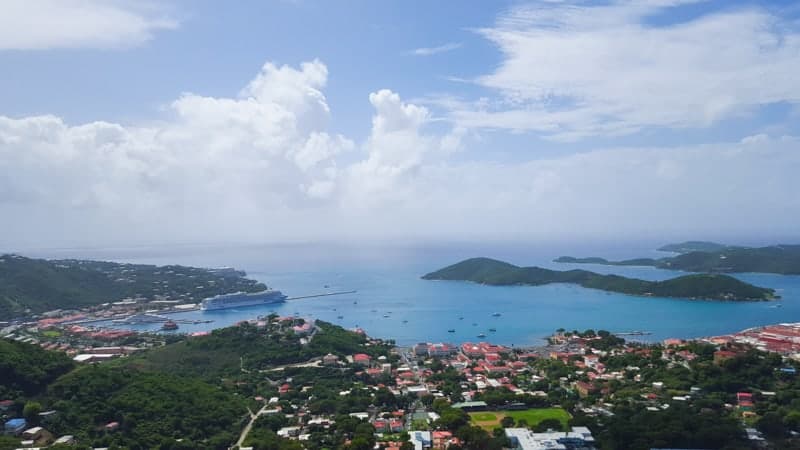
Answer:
(570, 70)
(428, 51)
(47, 24)
(263, 166)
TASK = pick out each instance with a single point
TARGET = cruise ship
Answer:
(241, 299)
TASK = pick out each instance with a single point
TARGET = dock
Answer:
(321, 295)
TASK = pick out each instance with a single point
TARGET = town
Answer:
(582, 390)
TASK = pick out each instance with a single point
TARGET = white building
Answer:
(525, 439)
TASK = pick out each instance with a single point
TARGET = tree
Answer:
(507, 422)
(31, 410)
(549, 424)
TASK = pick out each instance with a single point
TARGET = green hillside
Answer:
(780, 259)
(493, 272)
(31, 286)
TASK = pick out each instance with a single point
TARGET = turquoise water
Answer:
(388, 283)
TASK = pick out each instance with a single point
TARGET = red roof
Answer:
(360, 357)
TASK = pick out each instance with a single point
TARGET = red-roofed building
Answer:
(284, 388)
(723, 355)
(361, 358)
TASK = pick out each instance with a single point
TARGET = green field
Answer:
(491, 419)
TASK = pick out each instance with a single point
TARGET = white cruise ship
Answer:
(242, 299)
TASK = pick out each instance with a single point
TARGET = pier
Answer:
(321, 295)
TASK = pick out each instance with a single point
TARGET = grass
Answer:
(483, 417)
(51, 333)
(489, 420)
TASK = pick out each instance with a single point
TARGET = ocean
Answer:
(387, 281)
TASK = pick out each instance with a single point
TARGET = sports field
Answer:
(491, 419)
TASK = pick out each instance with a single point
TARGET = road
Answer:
(249, 426)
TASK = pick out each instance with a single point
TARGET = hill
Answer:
(31, 286)
(694, 246)
(780, 259)
(493, 272)
(226, 351)
(27, 369)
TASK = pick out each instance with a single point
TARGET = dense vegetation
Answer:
(228, 351)
(781, 259)
(490, 271)
(30, 286)
(26, 369)
(154, 410)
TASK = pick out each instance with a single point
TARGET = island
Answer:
(31, 286)
(779, 259)
(694, 246)
(700, 286)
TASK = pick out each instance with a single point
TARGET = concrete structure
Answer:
(421, 439)
(525, 439)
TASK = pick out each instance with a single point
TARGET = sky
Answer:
(135, 122)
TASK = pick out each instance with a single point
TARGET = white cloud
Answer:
(263, 166)
(48, 24)
(428, 51)
(570, 70)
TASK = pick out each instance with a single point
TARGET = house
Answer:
(396, 426)
(112, 426)
(15, 426)
(723, 355)
(66, 440)
(361, 358)
(584, 389)
(441, 439)
(330, 360)
(6, 404)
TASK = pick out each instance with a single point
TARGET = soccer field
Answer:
(491, 419)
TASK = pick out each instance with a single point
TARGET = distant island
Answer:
(703, 286)
(695, 246)
(780, 259)
(32, 286)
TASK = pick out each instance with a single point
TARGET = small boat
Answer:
(474, 324)
(492, 329)
(405, 321)
(497, 314)
(481, 335)
(385, 315)
(451, 330)
(169, 326)
(340, 317)
(355, 303)
(326, 286)
(460, 318)
(374, 310)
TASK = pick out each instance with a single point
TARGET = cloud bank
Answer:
(51, 24)
(264, 166)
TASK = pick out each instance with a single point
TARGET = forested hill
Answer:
(694, 246)
(780, 259)
(30, 286)
(494, 272)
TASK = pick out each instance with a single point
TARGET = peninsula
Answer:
(780, 259)
(31, 286)
(701, 286)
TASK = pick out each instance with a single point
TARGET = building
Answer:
(421, 439)
(361, 358)
(525, 439)
(330, 359)
(441, 350)
(15, 426)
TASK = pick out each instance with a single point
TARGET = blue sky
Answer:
(408, 119)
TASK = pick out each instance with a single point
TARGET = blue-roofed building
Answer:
(789, 370)
(15, 426)
(421, 439)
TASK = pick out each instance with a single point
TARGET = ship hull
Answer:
(242, 300)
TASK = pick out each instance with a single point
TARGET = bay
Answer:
(387, 281)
